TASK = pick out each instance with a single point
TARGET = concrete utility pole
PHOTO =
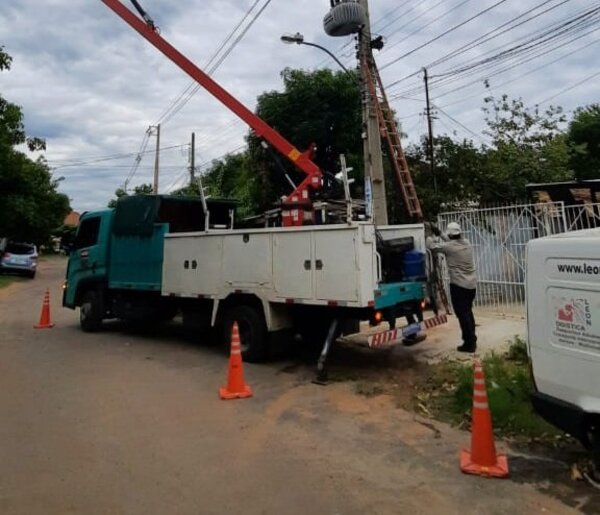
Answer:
(156, 160)
(193, 159)
(371, 138)
(430, 129)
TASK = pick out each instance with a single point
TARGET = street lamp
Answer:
(298, 38)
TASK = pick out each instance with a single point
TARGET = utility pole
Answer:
(371, 137)
(156, 161)
(430, 129)
(193, 159)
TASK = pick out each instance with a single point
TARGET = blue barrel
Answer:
(414, 265)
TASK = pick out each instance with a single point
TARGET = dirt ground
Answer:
(123, 422)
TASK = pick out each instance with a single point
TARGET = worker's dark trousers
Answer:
(462, 302)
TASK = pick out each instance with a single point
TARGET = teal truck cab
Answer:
(115, 266)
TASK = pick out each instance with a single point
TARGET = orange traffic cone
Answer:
(236, 387)
(44, 322)
(482, 459)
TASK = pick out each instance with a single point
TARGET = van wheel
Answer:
(91, 311)
(253, 332)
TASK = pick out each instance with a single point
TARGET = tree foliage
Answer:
(320, 107)
(528, 146)
(30, 205)
(142, 189)
(583, 137)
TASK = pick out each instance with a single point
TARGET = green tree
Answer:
(459, 174)
(142, 189)
(319, 107)
(583, 138)
(528, 146)
(30, 204)
(235, 177)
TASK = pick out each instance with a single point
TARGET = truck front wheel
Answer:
(253, 332)
(90, 311)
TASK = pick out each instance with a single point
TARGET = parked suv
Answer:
(20, 258)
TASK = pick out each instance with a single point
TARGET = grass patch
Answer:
(446, 393)
(5, 280)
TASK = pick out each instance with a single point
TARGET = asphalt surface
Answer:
(122, 422)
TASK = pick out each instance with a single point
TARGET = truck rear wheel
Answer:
(91, 311)
(253, 332)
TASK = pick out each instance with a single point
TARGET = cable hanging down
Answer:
(144, 15)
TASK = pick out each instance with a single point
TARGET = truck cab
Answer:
(563, 318)
(116, 263)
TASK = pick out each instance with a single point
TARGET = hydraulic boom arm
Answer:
(299, 199)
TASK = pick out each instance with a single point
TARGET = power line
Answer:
(113, 157)
(520, 77)
(482, 39)
(419, 16)
(204, 165)
(185, 96)
(542, 43)
(436, 19)
(400, 16)
(216, 64)
(190, 86)
(445, 33)
(512, 66)
(573, 86)
(464, 127)
(566, 28)
(408, 23)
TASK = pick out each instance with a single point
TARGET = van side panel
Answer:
(563, 311)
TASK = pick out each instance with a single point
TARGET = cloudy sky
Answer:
(91, 86)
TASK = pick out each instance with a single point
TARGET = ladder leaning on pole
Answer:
(389, 132)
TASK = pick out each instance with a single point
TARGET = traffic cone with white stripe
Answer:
(45, 322)
(236, 387)
(482, 459)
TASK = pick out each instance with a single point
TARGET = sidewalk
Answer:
(493, 333)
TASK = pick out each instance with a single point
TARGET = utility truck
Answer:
(152, 257)
(307, 269)
(563, 319)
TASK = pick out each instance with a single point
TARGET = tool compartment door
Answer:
(336, 265)
(293, 265)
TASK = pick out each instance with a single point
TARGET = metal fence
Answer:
(499, 236)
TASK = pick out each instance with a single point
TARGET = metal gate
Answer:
(499, 236)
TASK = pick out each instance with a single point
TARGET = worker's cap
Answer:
(453, 229)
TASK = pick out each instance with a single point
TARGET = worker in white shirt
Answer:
(463, 278)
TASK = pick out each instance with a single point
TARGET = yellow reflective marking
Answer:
(294, 154)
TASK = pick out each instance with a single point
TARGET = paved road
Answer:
(118, 422)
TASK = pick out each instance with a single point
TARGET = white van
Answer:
(563, 319)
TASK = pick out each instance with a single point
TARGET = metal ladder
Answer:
(389, 132)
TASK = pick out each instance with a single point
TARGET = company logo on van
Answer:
(574, 315)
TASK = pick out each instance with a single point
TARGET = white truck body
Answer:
(316, 265)
(563, 317)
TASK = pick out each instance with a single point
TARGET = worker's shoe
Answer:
(466, 348)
